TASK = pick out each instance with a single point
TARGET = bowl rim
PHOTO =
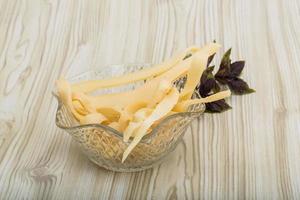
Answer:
(147, 137)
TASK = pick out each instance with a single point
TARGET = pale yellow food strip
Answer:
(163, 108)
(167, 115)
(131, 128)
(82, 104)
(127, 113)
(85, 101)
(163, 88)
(93, 118)
(133, 108)
(141, 114)
(79, 107)
(138, 117)
(65, 94)
(89, 86)
(147, 91)
(111, 114)
(143, 93)
(182, 106)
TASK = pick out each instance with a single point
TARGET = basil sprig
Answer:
(228, 74)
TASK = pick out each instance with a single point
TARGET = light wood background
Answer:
(250, 152)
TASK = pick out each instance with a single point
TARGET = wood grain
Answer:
(250, 152)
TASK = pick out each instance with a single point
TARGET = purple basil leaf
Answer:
(239, 86)
(216, 88)
(222, 80)
(217, 106)
(205, 88)
(236, 68)
(224, 70)
(226, 58)
(210, 58)
(207, 74)
(207, 82)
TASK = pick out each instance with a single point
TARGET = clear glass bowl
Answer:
(104, 145)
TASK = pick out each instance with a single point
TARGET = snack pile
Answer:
(134, 113)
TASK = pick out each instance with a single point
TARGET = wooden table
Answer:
(250, 152)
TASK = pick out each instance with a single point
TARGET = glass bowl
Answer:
(104, 145)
